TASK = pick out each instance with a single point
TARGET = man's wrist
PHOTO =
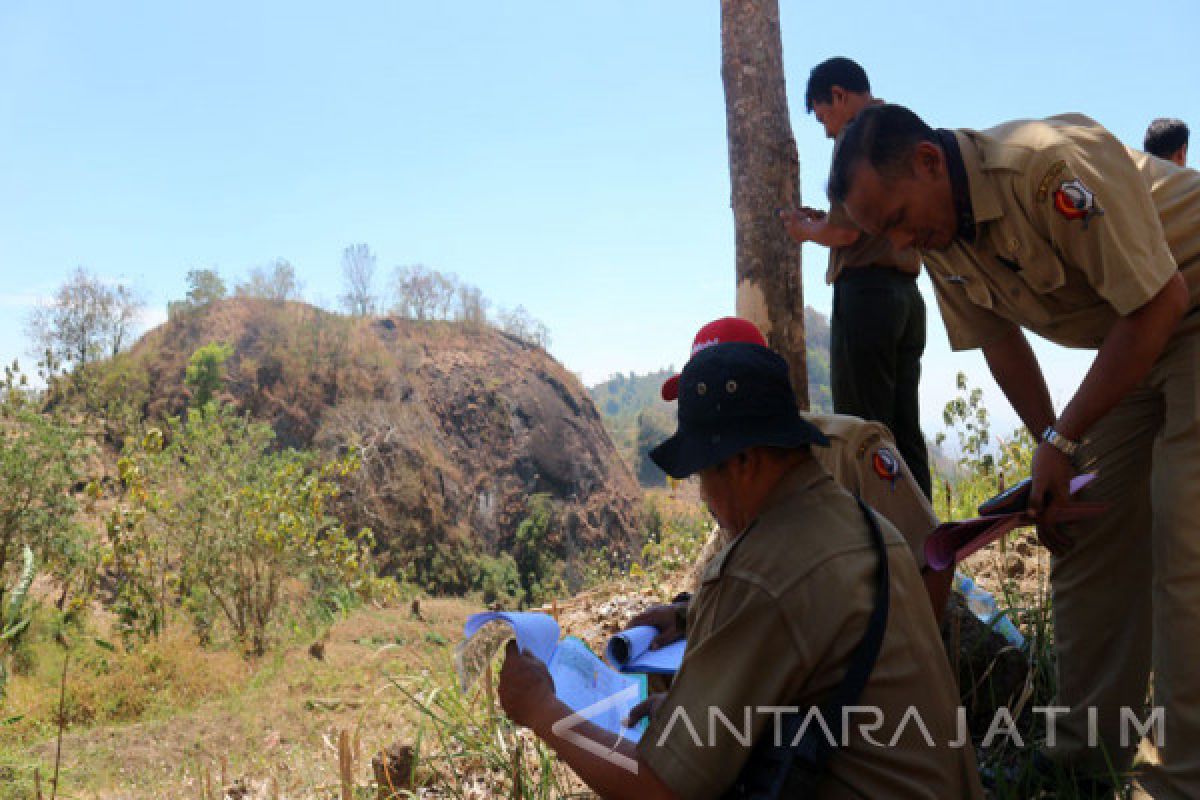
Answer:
(1067, 446)
(545, 714)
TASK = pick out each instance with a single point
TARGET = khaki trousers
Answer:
(1127, 597)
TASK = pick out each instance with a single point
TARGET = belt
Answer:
(874, 271)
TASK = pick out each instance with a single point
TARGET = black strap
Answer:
(866, 654)
(773, 767)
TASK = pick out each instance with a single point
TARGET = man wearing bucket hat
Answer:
(811, 582)
(862, 458)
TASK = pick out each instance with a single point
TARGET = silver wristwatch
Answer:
(1061, 443)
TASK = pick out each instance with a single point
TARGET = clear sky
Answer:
(567, 156)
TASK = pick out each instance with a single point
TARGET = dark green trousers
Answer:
(877, 336)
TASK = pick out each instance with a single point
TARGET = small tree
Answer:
(416, 292)
(204, 286)
(206, 372)
(277, 283)
(358, 272)
(984, 466)
(472, 306)
(86, 320)
(533, 549)
(445, 290)
(520, 323)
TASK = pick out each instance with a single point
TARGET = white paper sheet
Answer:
(581, 678)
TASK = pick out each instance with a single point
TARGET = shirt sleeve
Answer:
(838, 216)
(750, 661)
(1088, 199)
(888, 486)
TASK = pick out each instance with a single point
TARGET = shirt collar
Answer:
(979, 154)
(960, 185)
(798, 479)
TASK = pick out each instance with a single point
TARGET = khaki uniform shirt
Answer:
(868, 251)
(863, 460)
(1073, 230)
(775, 622)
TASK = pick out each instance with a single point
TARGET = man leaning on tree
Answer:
(877, 328)
(1055, 226)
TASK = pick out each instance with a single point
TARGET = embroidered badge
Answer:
(1075, 201)
(1048, 180)
(886, 466)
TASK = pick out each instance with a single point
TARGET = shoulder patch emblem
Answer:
(1048, 179)
(886, 466)
(1075, 201)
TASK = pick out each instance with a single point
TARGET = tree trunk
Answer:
(764, 172)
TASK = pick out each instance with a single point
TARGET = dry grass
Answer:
(292, 726)
(204, 715)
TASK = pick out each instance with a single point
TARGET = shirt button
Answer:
(1013, 245)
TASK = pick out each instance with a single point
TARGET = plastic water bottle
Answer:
(983, 606)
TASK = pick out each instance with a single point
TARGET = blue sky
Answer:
(567, 156)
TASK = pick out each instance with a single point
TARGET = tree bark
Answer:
(764, 171)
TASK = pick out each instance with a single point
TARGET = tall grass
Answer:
(467, 748)
(1009, 768)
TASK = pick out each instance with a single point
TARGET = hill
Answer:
(464, 433)
(637, 418)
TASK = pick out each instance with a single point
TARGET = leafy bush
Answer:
(675, 534)
(41, 461)
(500, 580)
(214, 518)
(534, 552)
(205, 372)
(986, 463)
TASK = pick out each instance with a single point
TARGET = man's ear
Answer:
(837, 96)
(928, 160)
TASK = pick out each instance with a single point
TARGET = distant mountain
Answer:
(637, 418)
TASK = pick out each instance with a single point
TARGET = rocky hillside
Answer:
(464, 433)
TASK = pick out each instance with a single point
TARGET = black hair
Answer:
(833, 72)
(1165, 137)
(884, 136)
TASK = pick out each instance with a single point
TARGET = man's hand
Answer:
(810, 225)
(665, 619)
(1050, 490)
(526, 688)
(803, 224)
(645, 709)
